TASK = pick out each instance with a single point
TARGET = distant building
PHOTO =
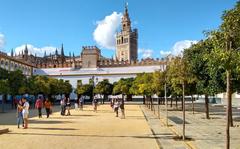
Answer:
(127, 40)
(12, 64)
(90, 62)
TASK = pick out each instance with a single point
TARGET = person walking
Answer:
(76, 104)
(81, 102)
(95, 102)
(122, 108)
(68, 106)
(39, 105)
(19, 113)
(63, 104)
(47, 106)
(116, 104)
(25, 112)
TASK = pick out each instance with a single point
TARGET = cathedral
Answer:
(90, 57)
(90, 63)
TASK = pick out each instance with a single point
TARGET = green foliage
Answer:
(142, 85)
(159, 80)
(123, 86)
(86, 89)
(16, 79)
(4, 87)
(104, 88)
(3, 74)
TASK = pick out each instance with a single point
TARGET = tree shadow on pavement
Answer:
(96, 136)
(47, 122)
(42, 128)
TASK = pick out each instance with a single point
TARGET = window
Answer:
(125, 40)
(67, 81)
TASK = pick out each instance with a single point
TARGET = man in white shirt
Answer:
(25, 112)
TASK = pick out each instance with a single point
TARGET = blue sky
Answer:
(163, 25)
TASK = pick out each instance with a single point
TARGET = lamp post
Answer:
(61, 90)
(93, 87)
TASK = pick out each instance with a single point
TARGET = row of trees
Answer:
(15, 83)
(207, 68)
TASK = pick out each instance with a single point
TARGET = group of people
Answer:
(23, 110)
(41, 104)
(65, 105)
(22, 113)
(117, 103)
(79, 103)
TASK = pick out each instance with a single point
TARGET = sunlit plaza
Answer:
(119, 74)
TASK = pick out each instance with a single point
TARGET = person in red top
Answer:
(47, 105)
(39, 105)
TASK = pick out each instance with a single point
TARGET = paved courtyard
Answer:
(142, 129)
(83, 129)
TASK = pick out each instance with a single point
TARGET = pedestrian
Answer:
(19, 113)
(68, 106)
(62, 104)
(112, 103)
(48, 105)
(39, 105)
(25, 112)
(95, 102)
(122, 108)
(76, 104)
(116, 104)
(81, 102)
(15, 102)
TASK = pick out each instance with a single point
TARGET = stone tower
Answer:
(26, 53)
(90, 56)
(126, 40)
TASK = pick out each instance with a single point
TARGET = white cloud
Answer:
(146, 53)
(165, 53)
(35, 50)
(2, 41)
(179, 47)
(104, 34)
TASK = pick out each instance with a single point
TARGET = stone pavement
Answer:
(167, 139)
(206, 133)
(83, 129)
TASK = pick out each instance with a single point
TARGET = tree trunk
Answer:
(192, 104)
(183, 108)
(228, 110)
(182, 103)
(144, 100)
(171, 102)
(206, 106)
(151, 102)
(230, 107)
(3, 100)
(158, 107)
(176, 102)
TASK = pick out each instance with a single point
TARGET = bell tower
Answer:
(126, 40)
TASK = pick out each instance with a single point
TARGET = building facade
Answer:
(127, 40)
(90, 62)
(11, 64)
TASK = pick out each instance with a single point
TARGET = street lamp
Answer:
(93, 87)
